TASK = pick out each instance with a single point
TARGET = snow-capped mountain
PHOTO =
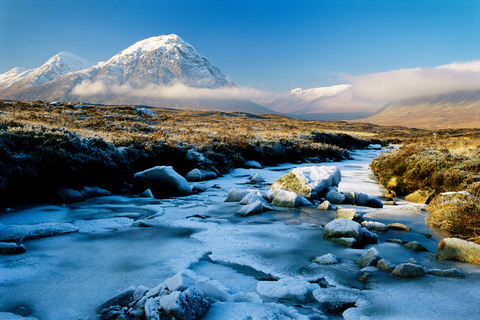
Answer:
(145, 73)
(56, 66)
(309, 100)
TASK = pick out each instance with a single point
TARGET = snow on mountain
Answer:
(56, 66)
(161, 60)
(10, 77)
(163, 71)
(318, 93)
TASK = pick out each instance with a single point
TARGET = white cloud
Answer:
(176, 91)
(416, 82)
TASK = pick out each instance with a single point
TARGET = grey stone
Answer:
(235, 195)
(361, 199)
(350, 214)
(375, 226)
(369, 258)
(415, 246)
(385, 265)
(252, 164)
(450, 273)
(251, 198)
(408, 270)
(398, 227)
(342, 228)
(325, 205)
(251, 209)
(335, 197)
(374, 203)
(69, 195)
(90, 192)
(326, 259)
(163, 181)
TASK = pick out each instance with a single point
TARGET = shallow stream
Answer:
(66, 277)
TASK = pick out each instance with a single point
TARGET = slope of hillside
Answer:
(460, 109)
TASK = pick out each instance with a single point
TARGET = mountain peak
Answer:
(164, 43)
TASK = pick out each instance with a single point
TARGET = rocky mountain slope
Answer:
(460, 109)
(137, 75)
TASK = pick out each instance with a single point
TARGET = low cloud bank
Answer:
(416, 82)
(175, 91)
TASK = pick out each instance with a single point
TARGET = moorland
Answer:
(45, 146)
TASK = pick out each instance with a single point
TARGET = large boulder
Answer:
(284, 198)
(458, 249)
(163, 181)
(309, 181)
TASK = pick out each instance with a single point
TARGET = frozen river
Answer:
(66, 277)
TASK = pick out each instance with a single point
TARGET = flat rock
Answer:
(421, 196)
(459, 250)
(398, 227)
(449, 273)
(415, 246)
(409, 270)
(41, 230)
(163, 181)
(375, 226)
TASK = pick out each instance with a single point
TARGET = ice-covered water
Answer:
(235, 260)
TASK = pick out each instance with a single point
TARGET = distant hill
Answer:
(322, 103)
(459, 109)
(146, 73)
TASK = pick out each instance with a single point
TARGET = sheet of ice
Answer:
(59, 277)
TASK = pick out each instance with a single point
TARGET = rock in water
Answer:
(252, 164)
(90, 192)
(200, 175)
(11, 248)
(325, 205)
(457, 249)
(335, 197)
(408, 270)
(235, 195)
(398, 226)
(163, 181)
(350, 214)
(326, 259)
(369, 258)
(69, 195)
(414, 246)
(421, 196)
(309, 181)
(342, 228)
(284, 198)
(251, 209)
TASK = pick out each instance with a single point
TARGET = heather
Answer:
(45, 146)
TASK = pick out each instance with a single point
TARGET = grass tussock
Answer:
(45, 146)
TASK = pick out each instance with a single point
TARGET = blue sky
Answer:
(269, 45)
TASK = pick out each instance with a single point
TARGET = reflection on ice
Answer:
(260, 266)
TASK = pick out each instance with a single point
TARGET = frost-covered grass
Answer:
(443, 165)
(45, 146)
